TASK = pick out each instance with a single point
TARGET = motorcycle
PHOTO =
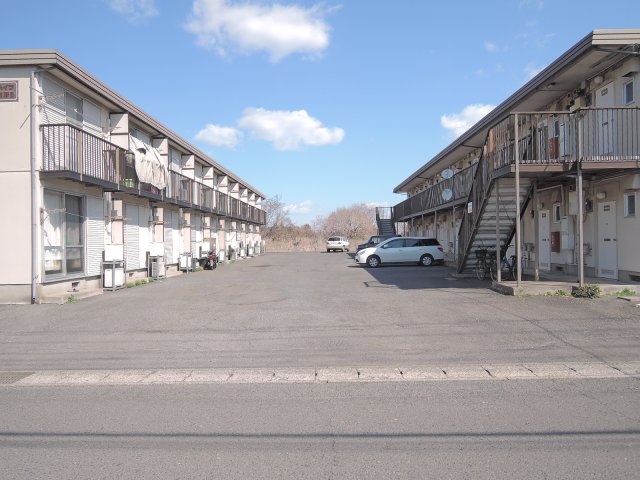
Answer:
(211, 262)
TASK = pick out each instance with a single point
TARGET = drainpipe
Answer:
(34, 197)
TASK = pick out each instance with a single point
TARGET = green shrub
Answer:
(587, 291)
(72, 299)
(626, 292)
(131, 285)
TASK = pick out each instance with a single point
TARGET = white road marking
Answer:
(478, 372)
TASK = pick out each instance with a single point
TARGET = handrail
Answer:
(68, 148)
(434, 196)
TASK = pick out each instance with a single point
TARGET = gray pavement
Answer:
(309, 366)
(442, 430)
(315, 310)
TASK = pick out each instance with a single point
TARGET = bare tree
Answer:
(355, 222)
(276, 213)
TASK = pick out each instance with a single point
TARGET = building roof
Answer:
(53, 58)
(596, 52)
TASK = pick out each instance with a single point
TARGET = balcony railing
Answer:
(66, 148)
(590, 135)
(450, 190)
(73, 153)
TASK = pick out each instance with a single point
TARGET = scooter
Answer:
(211, 262)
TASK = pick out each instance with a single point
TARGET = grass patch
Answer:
(138, 282)
(626, 292)
(557, 293)
(587, 291)
(72, 299)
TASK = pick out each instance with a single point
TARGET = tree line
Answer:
(356, 222)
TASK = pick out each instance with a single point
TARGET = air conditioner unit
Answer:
(158, 268)
(113, 278)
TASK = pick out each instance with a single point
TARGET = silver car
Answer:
(419, 250)
(337, 243)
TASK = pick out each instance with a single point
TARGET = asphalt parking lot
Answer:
(314, 310)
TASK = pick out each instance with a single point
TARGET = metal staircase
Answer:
(490, 216)
(384, 220)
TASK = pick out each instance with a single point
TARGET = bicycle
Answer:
(508, 268)
(483, 263)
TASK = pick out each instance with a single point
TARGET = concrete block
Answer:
(423, 373)
(509, 371)
(338, 374)
(373, 374)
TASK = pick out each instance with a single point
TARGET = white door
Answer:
(605, 99)
(607, 241)
(544, 243)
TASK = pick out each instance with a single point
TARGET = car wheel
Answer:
(346, 249)
(373, 261)
(426, 260)
(328, 250)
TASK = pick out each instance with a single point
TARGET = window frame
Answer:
(625, 98)
(64, 272)
(72, 119)
(627, 196)
(557, 212)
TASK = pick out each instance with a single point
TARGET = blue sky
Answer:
(324, 103)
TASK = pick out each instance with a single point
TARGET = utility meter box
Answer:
(567, 240)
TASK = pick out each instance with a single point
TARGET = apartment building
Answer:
(552, 173)
(94, 192)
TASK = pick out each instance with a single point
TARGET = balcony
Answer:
(70, 153)
(599, 138)
(548, 143)
(444, 194)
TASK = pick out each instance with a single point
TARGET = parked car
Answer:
(337, 243)
(420, 250)
(375, 240)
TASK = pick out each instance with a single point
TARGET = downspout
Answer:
(34, 198)
(34, 213)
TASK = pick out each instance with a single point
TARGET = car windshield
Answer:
(334, 239)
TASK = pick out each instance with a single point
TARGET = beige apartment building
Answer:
(552, 173)
(94, 192)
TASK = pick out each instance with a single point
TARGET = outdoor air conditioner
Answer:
(113, 279)
(158, 269)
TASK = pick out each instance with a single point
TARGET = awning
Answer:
(148, 163)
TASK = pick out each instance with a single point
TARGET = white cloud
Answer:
(531, 71)
(135, 10)
(299, 208)
(288, 130)
(458, 123)
(279, 30)
(493, 47)
(539, 4)
(376, 204)
(217, 136)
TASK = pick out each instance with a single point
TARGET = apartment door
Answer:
(607, 240)
(605, 121)
(544, 243)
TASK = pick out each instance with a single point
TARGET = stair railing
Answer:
(497, 151)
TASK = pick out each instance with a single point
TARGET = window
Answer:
(556, 213)
(73, 109)
(63, 232)
(399, 243)
(630, 204)
(627, 93)
(429, 242)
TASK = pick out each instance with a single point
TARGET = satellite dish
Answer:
(447, 194)
(448, 173)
